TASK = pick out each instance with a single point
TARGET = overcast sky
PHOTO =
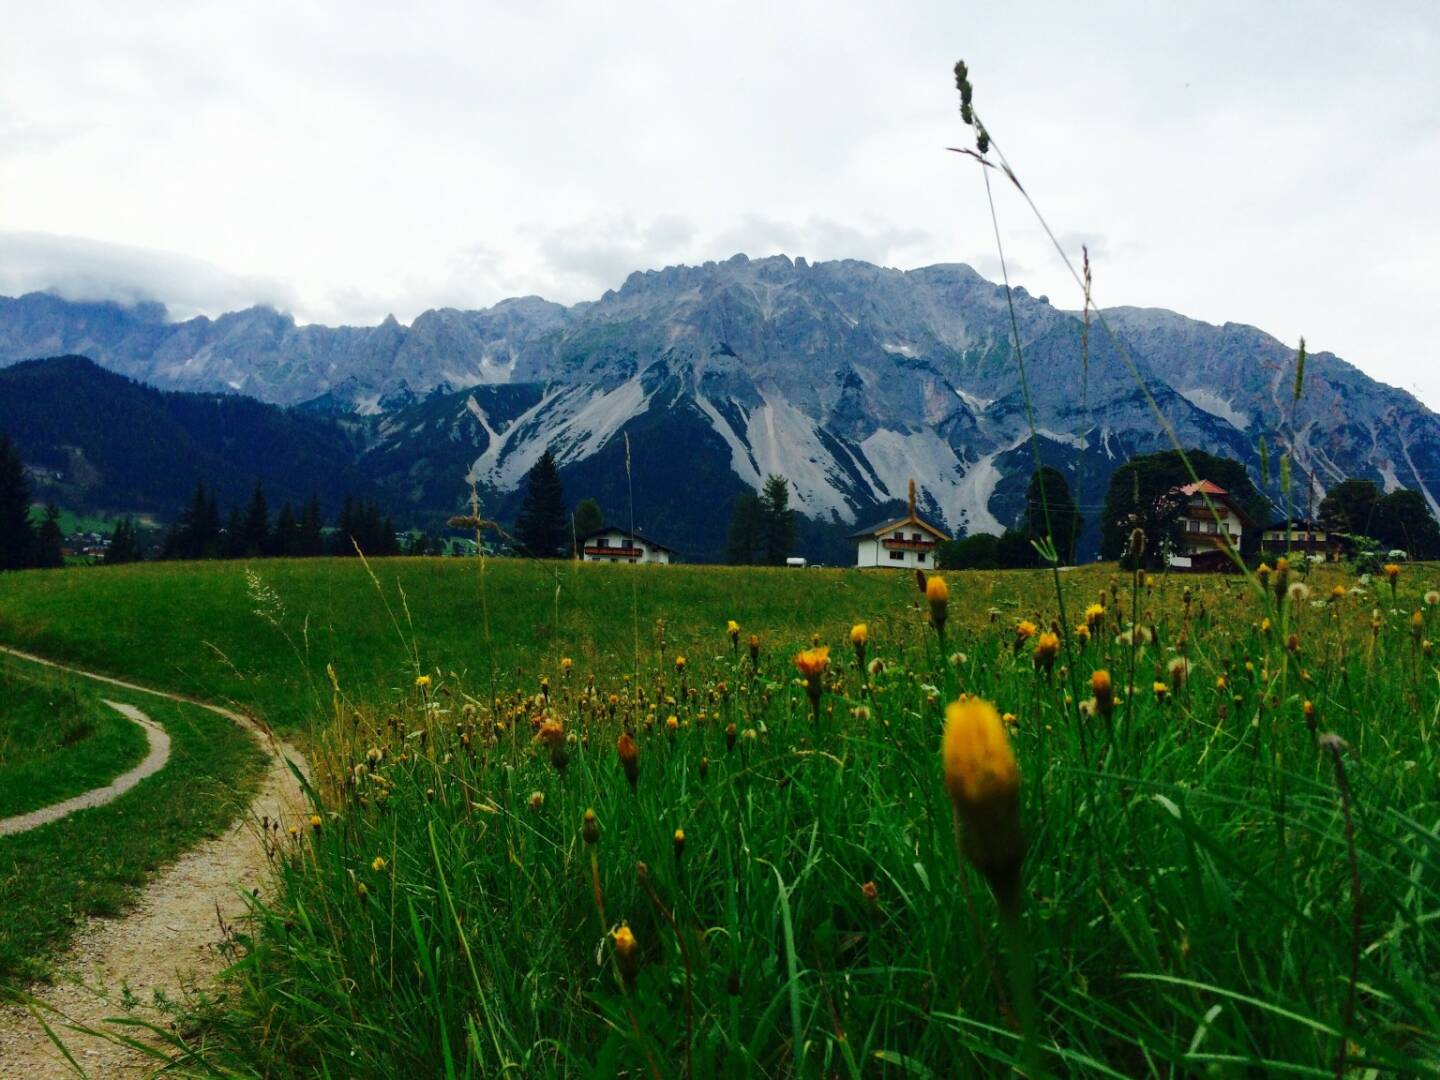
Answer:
(1269, 163)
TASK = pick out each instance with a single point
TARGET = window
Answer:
(915, 537)
(897, 556)
(603, 541)
(919, 556)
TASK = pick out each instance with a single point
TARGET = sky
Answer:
(1272, 164)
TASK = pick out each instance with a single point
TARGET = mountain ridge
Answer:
(845, 377)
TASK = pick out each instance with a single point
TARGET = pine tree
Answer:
(285, 540)
(198, 531)
(742, 541)
(778, 520)
(50, 540)
(17, 534)
(232, 546)
(343, 542)
(254, 539)
(312, 535)
(542, 525)
(124, 544)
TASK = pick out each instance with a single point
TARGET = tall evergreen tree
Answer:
(232, 545)
(542, 526)
(285, 540)
(17, 534)
(312, 532)
(254, 539)
(778, 520)
(124, 544)
(50, 539)
(742, 542)
(198, 532)
(342, 543)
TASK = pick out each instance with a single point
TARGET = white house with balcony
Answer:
(613, 544)
(1212, 525)
(905, 544)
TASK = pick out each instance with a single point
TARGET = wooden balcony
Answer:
(891, 544)
(614, 552)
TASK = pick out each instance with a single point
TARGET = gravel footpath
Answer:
(155, 760)
(165, 945)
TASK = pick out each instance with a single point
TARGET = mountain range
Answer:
(844, 377)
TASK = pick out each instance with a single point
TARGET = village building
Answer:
(1303, 537)
(904, 544)
(1213, 524)
(613, 544)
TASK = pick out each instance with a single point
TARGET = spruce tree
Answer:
(124, 544)
(742, 542)
(285, 540)
(778, 520)
(542, 526)
(254, 539)
(50, 540)
(17, 534)
(343, 542)
(232, 545)
(312, 534)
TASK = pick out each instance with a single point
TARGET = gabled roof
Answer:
(1203, 485)
(907, 521)
(1219, 494)
(628, 534)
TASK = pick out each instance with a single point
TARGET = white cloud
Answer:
(1268, 164)
(80, 269)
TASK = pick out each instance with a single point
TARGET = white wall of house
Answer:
(873, 551)
(1201, 534)
(612, 545)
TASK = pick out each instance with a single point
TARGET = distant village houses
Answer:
(1304, 537)
(613, 544)
(902, 544)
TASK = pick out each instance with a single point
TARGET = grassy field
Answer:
(263, 639)
(94, 861)
(56, 742)
(1234, 869)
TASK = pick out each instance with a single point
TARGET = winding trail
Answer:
(155, 759)
(165, 945)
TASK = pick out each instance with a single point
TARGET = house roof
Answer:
(1206, 487)
(895, 523)
(628, 534)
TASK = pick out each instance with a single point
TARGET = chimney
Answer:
(912, 496)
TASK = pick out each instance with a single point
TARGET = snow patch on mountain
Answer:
(976, 403)
(1415, 472)
(1212, 403)
(742, 461)
(1064, 438)
(962, 493)
(784, 440)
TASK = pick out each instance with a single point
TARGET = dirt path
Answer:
(165, 944)
(155, 759)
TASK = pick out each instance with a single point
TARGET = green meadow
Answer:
(1228, 864)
